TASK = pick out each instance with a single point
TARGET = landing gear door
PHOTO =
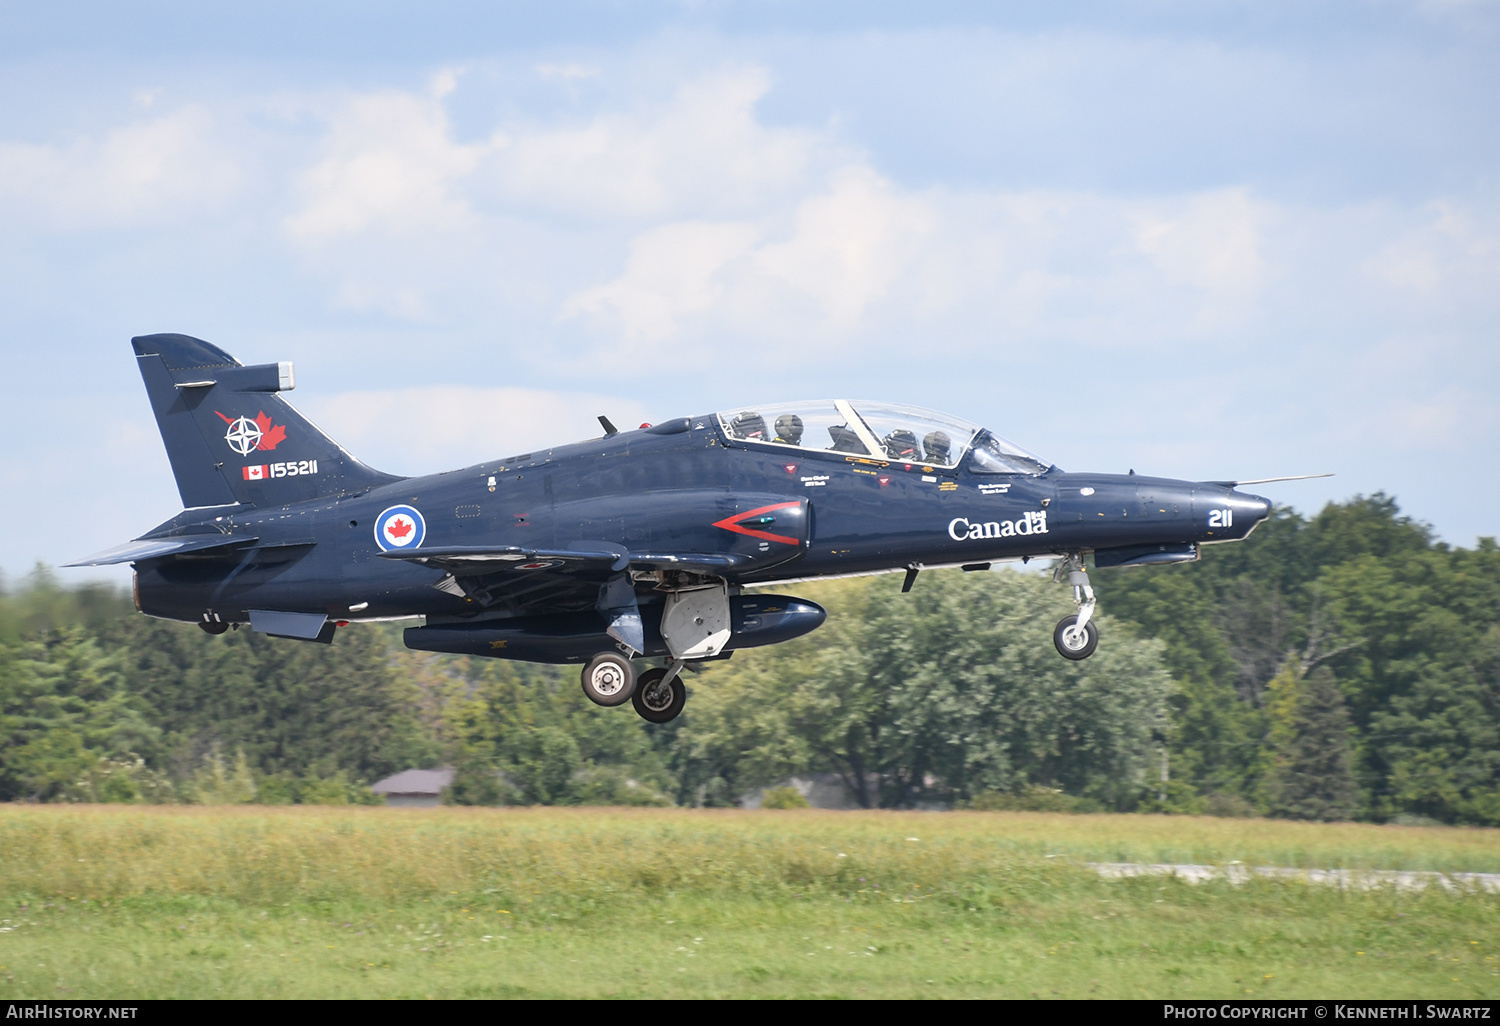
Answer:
(695, 622)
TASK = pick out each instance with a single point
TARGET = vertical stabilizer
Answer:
(231, 437)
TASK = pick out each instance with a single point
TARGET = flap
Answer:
(489, 559)
(304, 626)
(152, 548)
(704, 562)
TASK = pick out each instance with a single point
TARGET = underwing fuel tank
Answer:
(755, 620)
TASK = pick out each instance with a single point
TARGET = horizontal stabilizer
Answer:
(152, 548)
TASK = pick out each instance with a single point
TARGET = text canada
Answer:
(1032, 522)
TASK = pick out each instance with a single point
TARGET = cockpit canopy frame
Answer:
(878, 430)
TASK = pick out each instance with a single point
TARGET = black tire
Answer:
(608, 679)
(213, 626)
(651, 704)
(1065, 637)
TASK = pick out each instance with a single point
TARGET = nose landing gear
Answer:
(1076, 636)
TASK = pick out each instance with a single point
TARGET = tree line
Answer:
(1341, 666)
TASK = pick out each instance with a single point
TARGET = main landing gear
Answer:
(608, 679)
(658, 695)
(1076, 636)
(695, 624)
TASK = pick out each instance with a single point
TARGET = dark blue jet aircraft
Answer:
(637, 544)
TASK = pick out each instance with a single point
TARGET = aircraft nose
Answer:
(1249, 510)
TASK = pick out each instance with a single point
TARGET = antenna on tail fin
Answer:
(231, 437)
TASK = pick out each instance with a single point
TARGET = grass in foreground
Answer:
(111, 902)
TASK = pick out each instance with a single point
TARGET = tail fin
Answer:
(231, 438)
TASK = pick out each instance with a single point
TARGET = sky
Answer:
(1202, 240)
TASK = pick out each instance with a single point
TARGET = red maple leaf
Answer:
(398, 528)
(270, 436)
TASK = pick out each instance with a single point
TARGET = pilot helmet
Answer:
(938, 446)
(789, 428)
(749, 424)
(901, 444)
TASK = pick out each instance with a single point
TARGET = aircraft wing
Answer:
(601, 558)
(531, 580)
(152, 548)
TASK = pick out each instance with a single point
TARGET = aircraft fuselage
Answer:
(672, 488)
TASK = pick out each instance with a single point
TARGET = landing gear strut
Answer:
(1075, 636)
(659, 695)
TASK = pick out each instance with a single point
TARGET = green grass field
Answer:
(136, 902)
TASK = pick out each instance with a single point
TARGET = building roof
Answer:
(415, 781)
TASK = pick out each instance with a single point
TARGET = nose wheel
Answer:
(1075, 636)
(1074, 641)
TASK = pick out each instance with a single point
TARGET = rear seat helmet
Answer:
(789, 429)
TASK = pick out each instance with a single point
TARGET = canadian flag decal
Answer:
(256, 473)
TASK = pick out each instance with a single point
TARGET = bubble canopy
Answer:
(879, 430)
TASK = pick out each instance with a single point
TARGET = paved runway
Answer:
(1362, 879)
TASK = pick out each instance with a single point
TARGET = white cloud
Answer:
(846, 248)
(389, 162)
(673, 272)
(166, 170)
(567, 72)
(704, 150)
(642, 233)
(1452, 245)
(396, 210)
(850, 244)
(715, 221)
(1418, 425)
(1209, 242)
(862, 256)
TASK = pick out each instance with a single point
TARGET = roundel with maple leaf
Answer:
(400, 527)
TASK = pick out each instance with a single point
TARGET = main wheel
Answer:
(657, 701)
(1073, 643)
(608, 679)
(213, 626)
